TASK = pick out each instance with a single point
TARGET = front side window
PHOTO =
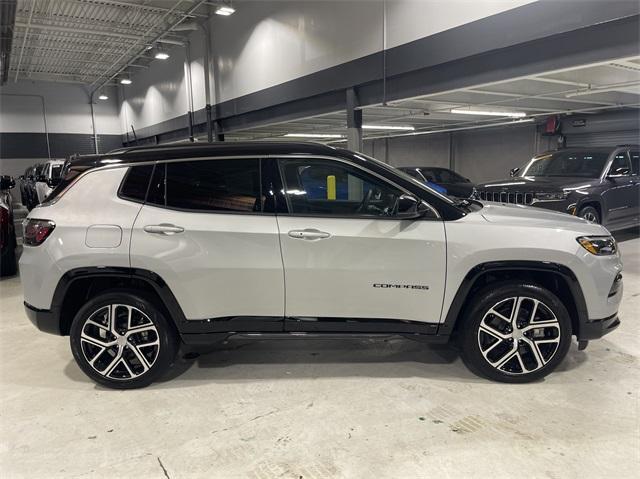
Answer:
(620, 165)
(327, 187)
(208, 185)
(635, 162)
(585, 164)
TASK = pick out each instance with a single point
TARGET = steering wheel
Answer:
(364, 204)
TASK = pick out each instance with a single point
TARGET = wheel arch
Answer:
(558, 278)
(78, 285)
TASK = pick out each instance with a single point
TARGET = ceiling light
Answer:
(103, 96)
(387, 127)
(225, 10)
(161, 55)
(312, 135)
(508, 114)
(125, 80)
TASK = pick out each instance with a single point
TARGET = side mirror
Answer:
(6, 182)
(53, 182)
(409, 207)
(623, 171)
(514, 172)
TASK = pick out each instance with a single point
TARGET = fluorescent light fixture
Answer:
(387, 127)
(161, 55)
(313, 135)
(225, 10)
(103, 96)
(125, 81)
(508, 114)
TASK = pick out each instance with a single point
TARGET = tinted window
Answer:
(635, 162)
(620, 165)
(332, 188)
(56, 170)
(212, 185)
(587, 164)
(441, 175)
(135, 183)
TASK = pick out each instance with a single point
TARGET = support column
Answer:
(354, 122)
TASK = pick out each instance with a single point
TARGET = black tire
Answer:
(8, 261)
(148, 316)
(590, 214)
(550, 349)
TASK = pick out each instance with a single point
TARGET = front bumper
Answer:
(45, 320)
(597, 328)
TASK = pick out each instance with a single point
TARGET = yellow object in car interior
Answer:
(331, 187)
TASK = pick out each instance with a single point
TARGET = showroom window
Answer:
(325, 187)
(208, 185)
(134, 186)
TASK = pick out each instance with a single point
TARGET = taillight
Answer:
(36, 231)
(4, 227)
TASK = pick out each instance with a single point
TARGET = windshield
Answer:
(441, 175)
(586, 164)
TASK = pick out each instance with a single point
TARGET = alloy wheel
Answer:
(519, 335)
(120, 342)
(590, 217)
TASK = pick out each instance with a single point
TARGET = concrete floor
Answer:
(322, 409)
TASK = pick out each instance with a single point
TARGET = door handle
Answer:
(163, 229)
(308, 234)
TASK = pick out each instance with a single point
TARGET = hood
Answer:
(509, 214)
(539, 183)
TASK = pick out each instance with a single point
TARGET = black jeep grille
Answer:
(515, 197)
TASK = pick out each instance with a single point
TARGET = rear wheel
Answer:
(590, 214)
(122, 340)
(515, 333)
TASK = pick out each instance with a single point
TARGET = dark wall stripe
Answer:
(34, 145)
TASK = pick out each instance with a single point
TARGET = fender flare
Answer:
(460, 298)
(152, 279)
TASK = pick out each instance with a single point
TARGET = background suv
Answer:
(141, 249)
(453, 183)
(47, 178)
(601, 185)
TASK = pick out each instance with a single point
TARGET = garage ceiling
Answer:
(610, 85)
(90, 41)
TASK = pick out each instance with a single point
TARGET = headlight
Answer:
(554, 196)
(598, 245)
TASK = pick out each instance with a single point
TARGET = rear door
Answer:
(203, 229)
(347, 255)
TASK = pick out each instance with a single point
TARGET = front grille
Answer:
(515, 197)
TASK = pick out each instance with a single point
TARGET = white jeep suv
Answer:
(142, 250)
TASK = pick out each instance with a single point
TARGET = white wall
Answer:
(67, 109)
(266, 43)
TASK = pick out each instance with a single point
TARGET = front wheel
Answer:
(590, 214)
(515, 333)
(122, 340)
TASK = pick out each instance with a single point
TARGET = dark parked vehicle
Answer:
(455, 184)
(601, 185)
(28, 193)
(8, 264)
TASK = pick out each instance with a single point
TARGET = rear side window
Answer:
(209, 185)
(135, 184)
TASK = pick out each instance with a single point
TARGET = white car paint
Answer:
(247, 264)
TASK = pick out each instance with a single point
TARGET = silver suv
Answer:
(140, 251)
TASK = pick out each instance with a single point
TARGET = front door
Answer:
(347, 255)
(619, 198)
(203, 229)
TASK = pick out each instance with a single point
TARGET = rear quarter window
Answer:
(136, 182)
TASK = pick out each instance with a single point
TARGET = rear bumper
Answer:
(43, 319)
(597, 328)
